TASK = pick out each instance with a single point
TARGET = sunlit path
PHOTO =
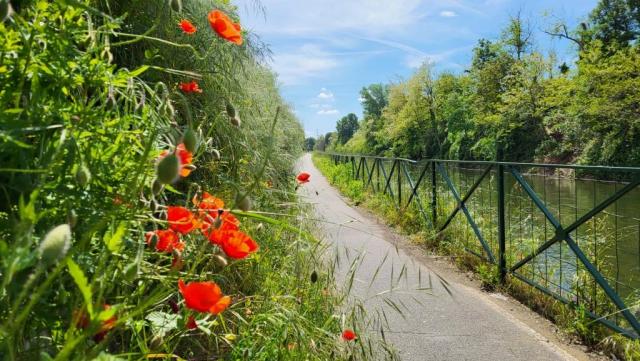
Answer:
(463, 325)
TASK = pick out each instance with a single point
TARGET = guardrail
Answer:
(576, 240)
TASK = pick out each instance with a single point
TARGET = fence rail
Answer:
(576, 240)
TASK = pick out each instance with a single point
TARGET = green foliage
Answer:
(346, 127)
(513, 96)
(90, 98)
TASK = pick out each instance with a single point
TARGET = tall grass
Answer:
(89, 99)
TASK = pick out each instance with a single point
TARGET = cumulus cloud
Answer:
(325, 95)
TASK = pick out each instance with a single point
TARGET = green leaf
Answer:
(138, 71)
(162, 322)
(113, 239)
(83, 284)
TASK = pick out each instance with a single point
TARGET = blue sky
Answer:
(325, 51)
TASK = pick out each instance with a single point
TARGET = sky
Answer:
(325, 51)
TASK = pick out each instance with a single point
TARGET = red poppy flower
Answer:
(82, 321)
(226, 28)
(303, 177)
(187, 26)
(190, 87)
(185, 157)
(181, 219)
(204, 297)
(208, 202)
(227, 223)
(191, 323)
(237, 244)
(349, 335)
(167, 240)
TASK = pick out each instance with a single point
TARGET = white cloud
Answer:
(303, 63)
(326, 95)
(448, 14)
(327, 112)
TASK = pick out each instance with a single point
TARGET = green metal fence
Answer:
(557, 228)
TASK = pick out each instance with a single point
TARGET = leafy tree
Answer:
(615, 22)
(346, 128)
(309, 144)
(374, 98)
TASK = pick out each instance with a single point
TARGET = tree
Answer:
(309, 144)
(346, 128)
(517, 36)
(615, 23)
(374, 98)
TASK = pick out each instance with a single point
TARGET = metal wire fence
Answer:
(560, 229)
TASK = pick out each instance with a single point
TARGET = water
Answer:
(611, 239)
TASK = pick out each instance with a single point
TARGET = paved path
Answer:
(463, 325)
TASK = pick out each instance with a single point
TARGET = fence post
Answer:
(502, 261)
(434, 194)
(399, 184)
(353, 167)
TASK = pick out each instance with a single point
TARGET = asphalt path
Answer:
(439, 319)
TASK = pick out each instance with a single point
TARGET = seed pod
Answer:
(314, 277)
(216, 154)
(156, 187)
(190, 140)
(217, 222)
(244, 203)
(83, 176)
(55, 245)
(176, 5)
(168, 169)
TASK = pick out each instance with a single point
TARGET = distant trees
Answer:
(309, 144)
(346, 127)
(536, 108)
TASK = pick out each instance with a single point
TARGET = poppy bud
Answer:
(176, 5)
(190, 167)
(156, 187)
(168, 169)
(221, 260)
(153, 205)
(56, 244)
(190, 140)
(177, 263)
(230, 337)
(236, 121)
(216, 154)
(130, 272)
(244, 203)
(156, 342)
(231, 111)
(5, 10)
(83, 176)
(314, 277)
(72, 218)
(259, 227)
